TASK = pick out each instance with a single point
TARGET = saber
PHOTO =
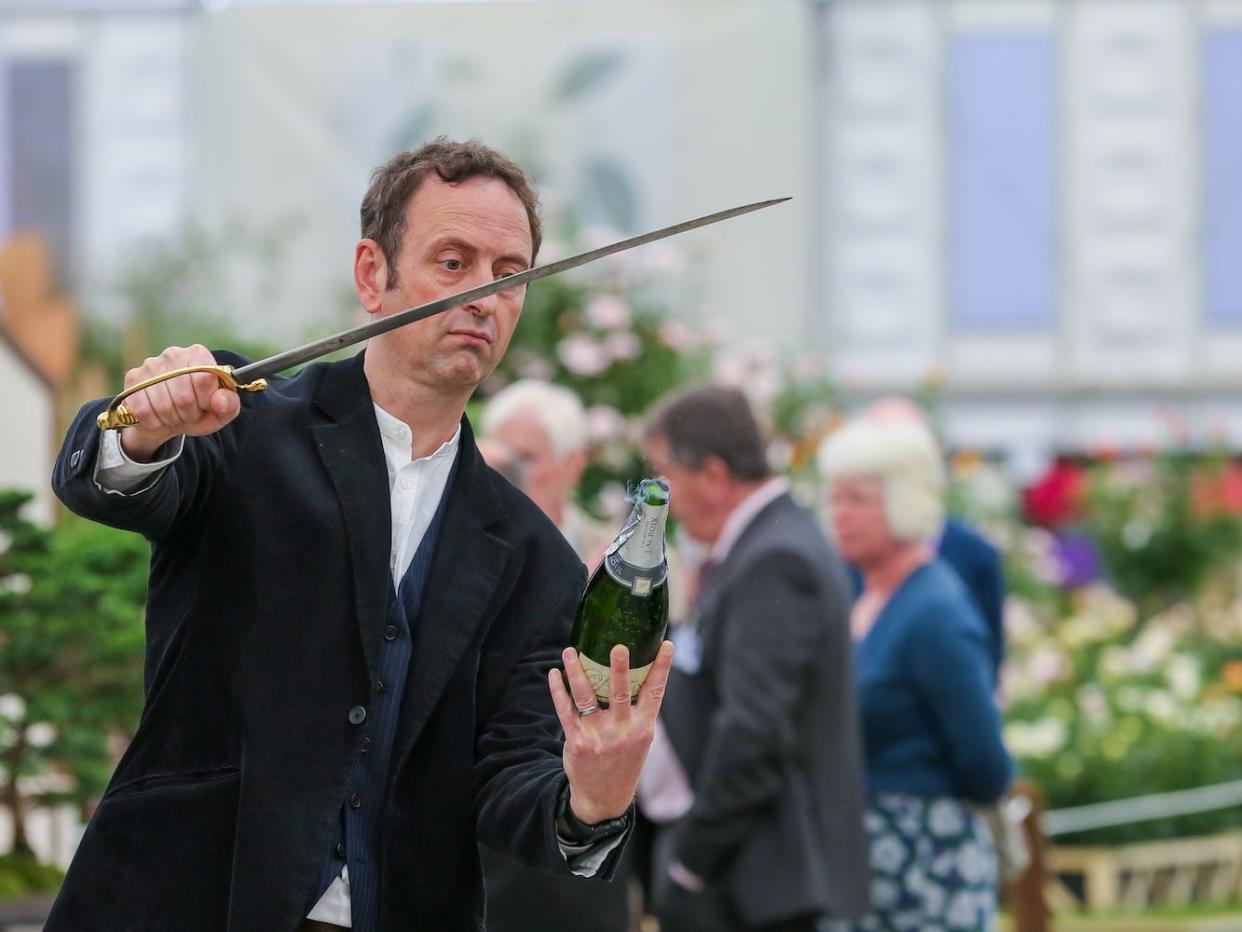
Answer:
(252, 377)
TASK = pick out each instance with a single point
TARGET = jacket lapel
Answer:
(466, 570)
(349, 444)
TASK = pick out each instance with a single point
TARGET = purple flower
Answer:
(1078, 561)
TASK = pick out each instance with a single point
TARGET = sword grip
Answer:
(117, 415)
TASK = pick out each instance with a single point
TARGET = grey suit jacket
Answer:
(767, 728)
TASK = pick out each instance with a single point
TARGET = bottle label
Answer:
(599, 675)
(640, 580)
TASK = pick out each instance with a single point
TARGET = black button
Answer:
(357, 715)
(355, 801)
(390, 633)
(366, 745)
(340, 849)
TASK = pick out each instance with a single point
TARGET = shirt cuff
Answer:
(117, 474)
(586, 860)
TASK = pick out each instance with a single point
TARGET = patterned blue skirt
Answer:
(933, 868)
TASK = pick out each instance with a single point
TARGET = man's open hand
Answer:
(605, 748)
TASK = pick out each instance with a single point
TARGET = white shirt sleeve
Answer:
(586, 860)
(117, 474)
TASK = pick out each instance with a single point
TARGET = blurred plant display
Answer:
(71, 652)
(1124, 625)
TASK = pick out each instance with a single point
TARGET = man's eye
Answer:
(453, 265)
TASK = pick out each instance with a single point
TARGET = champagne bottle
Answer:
(626, 599)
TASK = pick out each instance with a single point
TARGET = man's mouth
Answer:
(473, 337)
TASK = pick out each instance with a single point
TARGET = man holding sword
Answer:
(353, 626)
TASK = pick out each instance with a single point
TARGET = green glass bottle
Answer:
(626, 599)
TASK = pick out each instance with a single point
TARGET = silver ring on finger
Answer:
(585, 710)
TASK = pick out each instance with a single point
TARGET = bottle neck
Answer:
(644, 548)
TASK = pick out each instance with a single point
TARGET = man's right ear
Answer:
(370, 275)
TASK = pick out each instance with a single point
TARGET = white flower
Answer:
(582, 355)
(1094, 705)
(1160, 706)
(1114, 663)
(1047, 665)
(676, 335)
(1185, 677)
(1151, 648)
(536, 367)
(613, 501)
(12, 707)
(1136, 534)
(40, 734)
(608, 312)
(622, 345)
(604, 423)
(17, 583)
(732, 369)
(1036, 739)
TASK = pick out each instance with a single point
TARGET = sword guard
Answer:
(117, 415)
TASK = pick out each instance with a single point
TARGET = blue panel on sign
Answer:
(1002, 181)
(1222, 175)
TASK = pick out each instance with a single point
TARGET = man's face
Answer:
(458, 236)
(693, 498)
(549, 477)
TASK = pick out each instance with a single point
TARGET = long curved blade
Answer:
(301, 354)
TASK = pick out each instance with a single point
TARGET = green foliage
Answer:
(71, 647)
(21, 875)
(1105, 703)
(1162, 526)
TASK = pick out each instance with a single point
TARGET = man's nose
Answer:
(483, 307)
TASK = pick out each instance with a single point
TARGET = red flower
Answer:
(1056, 498)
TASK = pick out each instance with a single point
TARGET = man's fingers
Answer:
(205, 385)
(652, 692)
(163, 406)
(619, 688)
(565, 710)
(225, 404)
(185, 399)
(580, 687)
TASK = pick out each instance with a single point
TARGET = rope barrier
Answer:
(1142, 808)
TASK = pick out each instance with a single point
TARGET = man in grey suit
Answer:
(756, 770)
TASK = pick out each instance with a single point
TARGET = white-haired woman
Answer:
(930, 727)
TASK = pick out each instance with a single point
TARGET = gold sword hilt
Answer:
(118, 415)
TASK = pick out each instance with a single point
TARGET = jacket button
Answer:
(355, 801)
(390, 633)
(357, 715)
(340, 849)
